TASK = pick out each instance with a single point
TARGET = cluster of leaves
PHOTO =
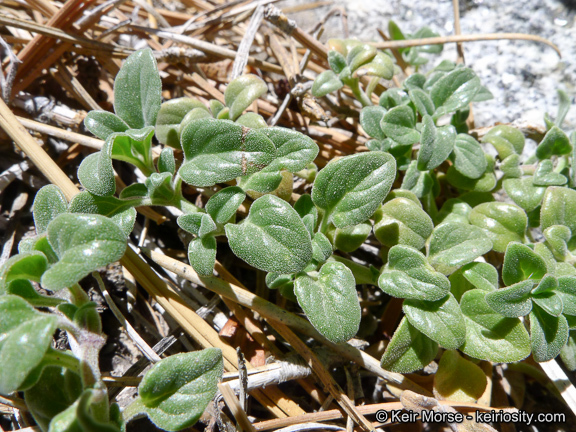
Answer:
(63, 390)
(447, 245)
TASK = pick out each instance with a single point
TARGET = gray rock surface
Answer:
(523, 76)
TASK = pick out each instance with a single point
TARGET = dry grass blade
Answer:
(324, 376)
(234, 405)
(465, 38)
(209, 48)
(55, 33)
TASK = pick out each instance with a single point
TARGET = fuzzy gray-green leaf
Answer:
(409, 350)
(218, 151)
(352, 188)
(84, 243)
(441, 320)
(272, 238)
(489, 335)
(137, 90)
(103, 124)
(176, 390)
(48, 203)
(241, 92)
(454, 244)
(330, 301)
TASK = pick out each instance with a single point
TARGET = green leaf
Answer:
(191, 222)
(458, 379)
(120, 211)
(524, 193)
(336, 61)
(370, 118)
(549, 301)
(557, 238)
(381, 66)
(294, 150)
(408, 275)
(395, 33)
(170, 116)
(224, 203)
(352, 188)
(330, 301)
(454, 91)
(308, 212)
(558, 208)
(401, 221)
(469, 157)
(202, 255)
(421, 101)
(454, 244)
(359, 55)
(418, 182)
(511, 166)
(567, 292)
(507, 140)
(486, 183)
(513, 301)
(137, 90)
(217, 151)
(555, 142)
(63, 386)
(83, 243)
(103, 124)
(399, 124)
(160, 187)
(192, 116)
(241, 92)
(568, 352)
(441, 320)
(545, 175)
(135, 190)
(272, 238)
(25, 336)
(393, 97)
(261, 182)
(252, 120)
(96, 173)
(200, 224)
(166, 161)
(321, 247)
(504, 223)
(436, 144)
(414, 81)
(175, 391)
(548, 334)
(454, 210)
(29, 266)
(521, 263)
(352, 237)
(489, 335)
(475, 275)
(409, 350)
(135, 147)
(325, 83)
(23, 288)
(79, 417)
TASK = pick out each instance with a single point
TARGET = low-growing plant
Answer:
(480, 247)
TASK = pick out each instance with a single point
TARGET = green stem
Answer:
(354, 84)
(79, 296)
(325, 216)
(63, 359)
